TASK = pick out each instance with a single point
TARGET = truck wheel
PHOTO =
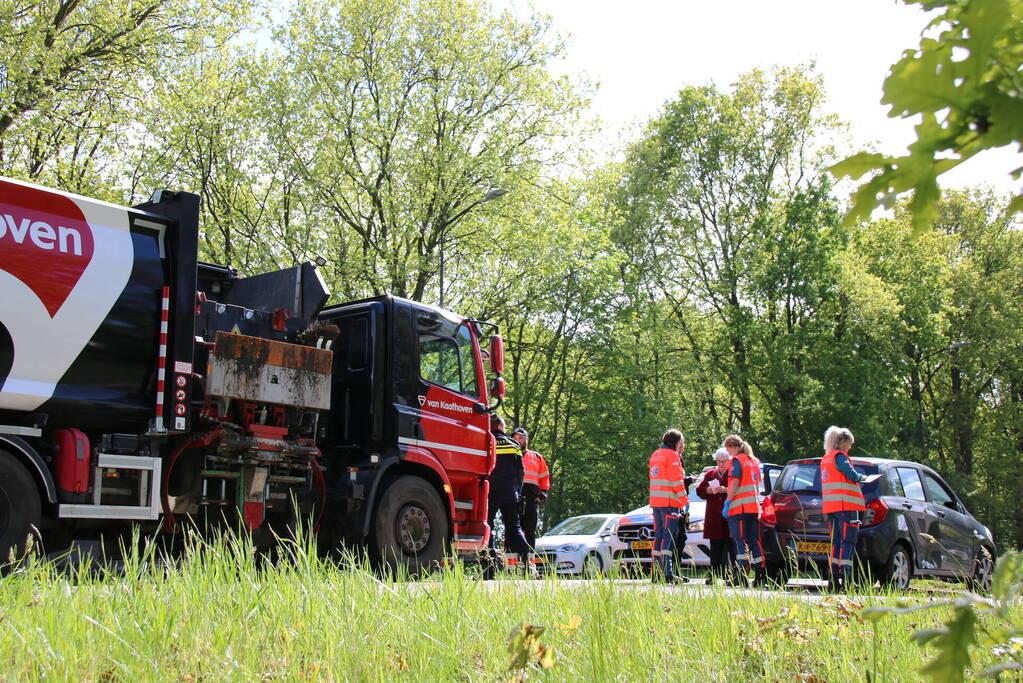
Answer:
(20, 508)
(411, 527)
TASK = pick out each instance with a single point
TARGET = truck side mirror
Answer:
(497, 387)
(497, 354)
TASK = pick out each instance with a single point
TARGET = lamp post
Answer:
(493, 194)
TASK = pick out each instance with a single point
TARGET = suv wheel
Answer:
(592, 566)
(982, 570)
(898, 570)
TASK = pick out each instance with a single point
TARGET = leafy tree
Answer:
(967, 89)
(401, 115)
(721, 196)
(206, 132)
(70, 68)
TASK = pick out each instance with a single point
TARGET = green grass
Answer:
(217, 615)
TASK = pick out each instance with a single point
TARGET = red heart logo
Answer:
(44, 241)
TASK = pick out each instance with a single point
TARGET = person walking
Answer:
(743, 504)
(668, 498)
(505, 491)
(843, 503)
(536, 483)
(713, 488)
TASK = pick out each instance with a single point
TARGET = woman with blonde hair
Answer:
(743, 505)
(843, 502)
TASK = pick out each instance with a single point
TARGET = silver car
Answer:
(580, 545)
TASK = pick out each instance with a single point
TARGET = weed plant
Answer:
(221, 613)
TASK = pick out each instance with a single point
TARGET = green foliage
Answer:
(976, 620)
(728, 219)
(221, 612)
(966, 87)
(399, 116)
(71, 71)
(524, 646)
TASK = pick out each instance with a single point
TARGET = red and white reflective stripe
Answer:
(161, 373)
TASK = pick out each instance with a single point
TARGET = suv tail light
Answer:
(875, 513)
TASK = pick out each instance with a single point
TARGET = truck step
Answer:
(150, 470)
(463, 505)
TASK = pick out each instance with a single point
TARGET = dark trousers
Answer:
(530, 511)
(665, 530)
(722, 555)
(514, 541)
(845, 527)
(749, 548)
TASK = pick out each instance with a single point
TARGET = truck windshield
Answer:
(447, 357)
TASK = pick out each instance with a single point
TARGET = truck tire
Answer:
(410, 529)
(20, 508)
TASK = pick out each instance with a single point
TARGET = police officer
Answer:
(843, 503)
(535, 485)
(743, 505)
(505, 489)
(668, 498)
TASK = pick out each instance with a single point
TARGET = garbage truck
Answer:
(142, 387)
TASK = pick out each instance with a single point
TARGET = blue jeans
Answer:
(665, 530)
(745, 531)
(845, 527)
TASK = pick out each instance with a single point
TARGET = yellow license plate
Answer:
(808, 547)
(642, 545)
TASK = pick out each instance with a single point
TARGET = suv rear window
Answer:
(806, 478)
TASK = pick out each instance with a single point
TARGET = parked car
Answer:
(580, 545)
(914, 525)
(636, 530)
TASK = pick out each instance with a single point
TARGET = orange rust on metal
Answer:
(259, 351)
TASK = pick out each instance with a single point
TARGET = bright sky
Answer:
(641, 52)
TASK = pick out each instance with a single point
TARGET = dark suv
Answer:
(914, 525)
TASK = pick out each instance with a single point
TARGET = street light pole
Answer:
(496, 193)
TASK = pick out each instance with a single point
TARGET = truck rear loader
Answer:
(139, 386)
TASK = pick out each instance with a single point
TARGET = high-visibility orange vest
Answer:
(839, 491)
(667, 480)
(536, 471)
(746, 497)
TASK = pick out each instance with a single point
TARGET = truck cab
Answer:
(420, 411)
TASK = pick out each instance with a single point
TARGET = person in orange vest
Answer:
(743, 508)
(669, 499)
(843, 502)
(536, 483)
